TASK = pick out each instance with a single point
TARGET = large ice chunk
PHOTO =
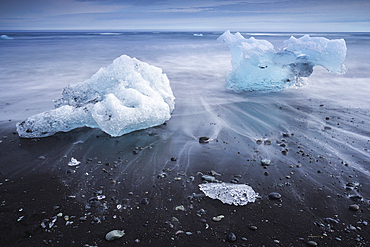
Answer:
(127, 95)
(237, 194)
(258, 66)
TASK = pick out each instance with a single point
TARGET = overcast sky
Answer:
(187, 15)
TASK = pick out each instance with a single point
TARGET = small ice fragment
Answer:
(74, 162)
(4, 36)
(114, 234)
(237, 194)
(100, 197)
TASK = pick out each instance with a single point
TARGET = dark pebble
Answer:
(231, 237)
(253, 228)
(203, 139)
(354, 207)
(266, 173)
(286, 135)
(70, 171)
(173, 159)
(274, 195)
(134, 152)
(144, 201)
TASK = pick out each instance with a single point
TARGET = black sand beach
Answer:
(136, 172)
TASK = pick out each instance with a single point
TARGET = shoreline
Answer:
(307, 211)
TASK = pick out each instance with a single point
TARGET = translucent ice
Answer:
(127, 95)
(237, 194)
(258, 66)
(4, 36)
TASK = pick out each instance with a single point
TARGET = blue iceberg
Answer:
(127, 95)
(258, 66)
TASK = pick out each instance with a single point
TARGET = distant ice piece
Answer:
(127, 95)
(4, 36)
(74, 162)
(237, 194)
(198, 35)
(258, 66)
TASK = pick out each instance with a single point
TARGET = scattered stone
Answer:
(286, 135)
(173, 159)
(114, 234)
(208, 178)
(266, 173)
(259, 142)
(311, 243)
(274, 196)
(352, 185)
(71, 171)
(188, 233)
(174, 219)
(42, 157)
(203, 139)
(144, 201)
(218, 218)
(354, 207)
(284, 152)
(214, 173)
(231, 237)
(330, 220)
(180, 208)
(267, 142)
(265, 162)
(253, 228)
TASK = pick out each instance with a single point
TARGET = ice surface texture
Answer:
(237, 194)
(127, 95)
(258, 66)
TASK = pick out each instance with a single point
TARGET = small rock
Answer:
(42, 157)
(259, 142)
(267, 142)
(286, 135)
(218, 218)
(354, 207)
(208, 178)
(311, 243)
(174, 219)
(231, 237)
(274, 195)
(114, 234)
(203, 139)
(253, 228)
(144, 201)
(173, 159)
(181, 208)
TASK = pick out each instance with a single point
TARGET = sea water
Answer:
(329, 117)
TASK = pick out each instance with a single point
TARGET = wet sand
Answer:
(37, 184)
